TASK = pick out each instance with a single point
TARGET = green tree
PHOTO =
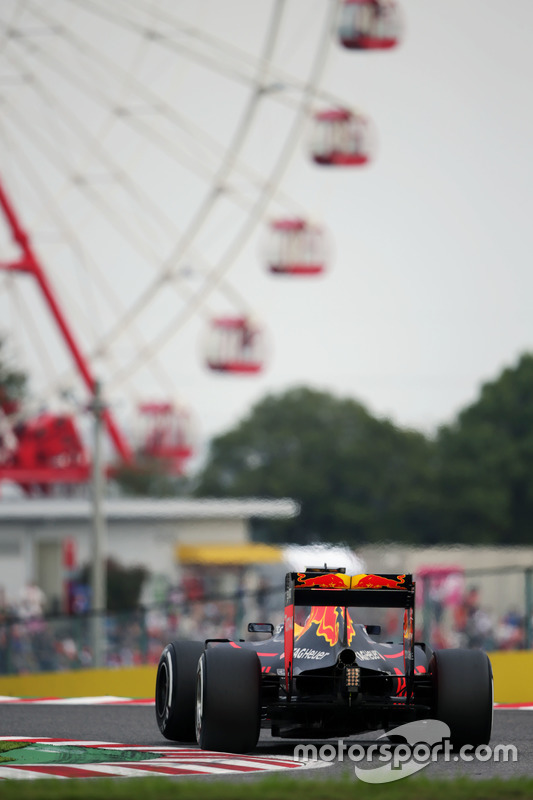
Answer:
(149, 478)
(358, 478)
(13, 381)
(486, 463)
(123, 584)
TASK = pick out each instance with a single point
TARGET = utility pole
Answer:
(98, 573)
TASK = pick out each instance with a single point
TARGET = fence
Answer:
(487, 608)
(490, 608)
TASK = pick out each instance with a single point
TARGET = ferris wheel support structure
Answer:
(87, 197)
(29, 264)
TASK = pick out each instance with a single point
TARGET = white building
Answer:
(36, 534)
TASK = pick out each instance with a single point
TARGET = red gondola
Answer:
(235, 344)
(369, 24)
(340, 138)
(295, 247)
(42, 451)
(166, 434)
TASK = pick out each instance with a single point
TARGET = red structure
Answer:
(69, 563)
(29, 264)
(48, 449)
(369, 24)
(295, 247)
(166, 435)
(41, 451)
(340, 138)
(235, 345)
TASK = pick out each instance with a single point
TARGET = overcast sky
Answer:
(428, 293)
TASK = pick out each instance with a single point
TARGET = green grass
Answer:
(271, 788)
(5, 747)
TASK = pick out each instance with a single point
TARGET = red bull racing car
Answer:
(323, 674)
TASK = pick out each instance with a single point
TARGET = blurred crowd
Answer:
(32, 641)
(467, 623)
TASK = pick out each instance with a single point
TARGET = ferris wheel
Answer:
(145, 144)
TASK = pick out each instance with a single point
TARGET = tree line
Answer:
(361, 479)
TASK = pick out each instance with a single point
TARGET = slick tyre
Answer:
(463, 694)
(228, 710)
(175, 690)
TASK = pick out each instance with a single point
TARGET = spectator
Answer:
(32, 602)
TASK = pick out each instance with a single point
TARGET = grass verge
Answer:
(270, 788)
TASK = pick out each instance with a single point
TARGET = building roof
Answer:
(150, 508)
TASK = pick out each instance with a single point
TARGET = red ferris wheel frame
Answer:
(29, 263)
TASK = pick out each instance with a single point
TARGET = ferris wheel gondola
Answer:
(132, 133)
(235, 345)
(296, 247)
(166, 435)
(369, 24)
(341, 138)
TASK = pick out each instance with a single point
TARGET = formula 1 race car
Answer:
(326, 677)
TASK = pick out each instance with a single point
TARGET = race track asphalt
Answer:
(134, 725)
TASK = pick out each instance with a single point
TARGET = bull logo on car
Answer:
(336, 580)
(332, 580)
(377, 582)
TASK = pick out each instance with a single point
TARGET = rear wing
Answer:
(334, 588)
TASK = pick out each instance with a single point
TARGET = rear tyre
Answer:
(228, 702)
(463, 694)
(175, 690)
